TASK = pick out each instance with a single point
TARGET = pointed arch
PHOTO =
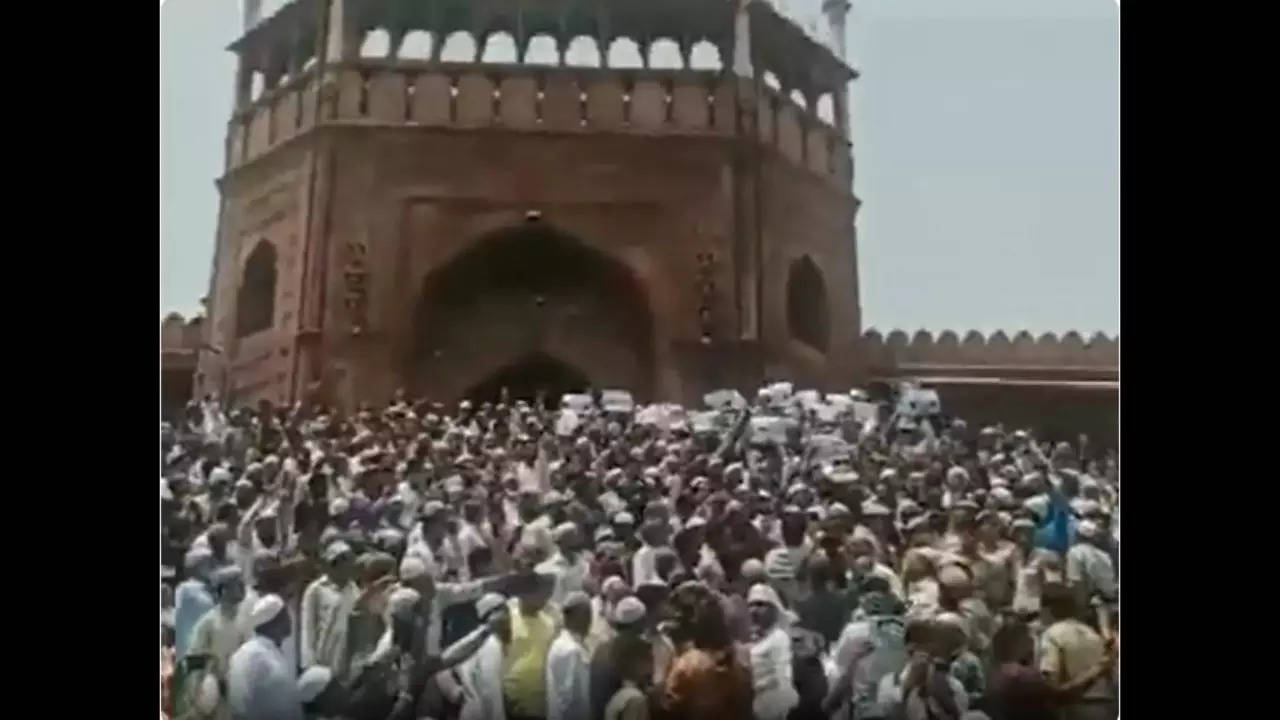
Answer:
(377, 44)
(256, 298)
(460, 46)
(705, 56)
(625, 53)
(825, 109)
(531, 290)
(542, 50)
(417, 45)
(664, 54)
(582, 51)
(808, 318)
(500, 47)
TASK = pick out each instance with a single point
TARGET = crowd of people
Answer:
(785, 558)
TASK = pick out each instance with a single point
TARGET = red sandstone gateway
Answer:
(661, 201)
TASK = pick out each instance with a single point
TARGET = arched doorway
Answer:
(531, 306)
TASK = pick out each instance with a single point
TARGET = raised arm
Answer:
(244, 533)
(460, 650)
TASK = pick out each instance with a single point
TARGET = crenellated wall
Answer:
(177, 334)
(1071, 351)
(180, 343)
(1057, 386)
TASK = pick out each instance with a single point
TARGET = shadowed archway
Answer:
(525, 377)
(808, 319)
(530, 304)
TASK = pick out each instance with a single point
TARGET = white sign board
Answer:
(866, 411)
(577, 402)
(724, 400)
(840, 401)
(780, 392)
(704, 422)
(828, 413)
(617, 401)
(828, 448)
(919, 402)
(770, 429)
(809, 399)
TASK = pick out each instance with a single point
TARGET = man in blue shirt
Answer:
(192, 599)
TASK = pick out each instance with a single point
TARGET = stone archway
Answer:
(530, 304)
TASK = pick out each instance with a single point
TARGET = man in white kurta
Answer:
(326, 604)
(568, 665)
(218, 633)
(261, 683)
(481, 674)
(775, 695)
(568, 565)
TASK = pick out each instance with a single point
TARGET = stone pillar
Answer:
(742, 42)
(837, 11)
(343, 42)
(251, 12)
(840, 104)
(244, 83)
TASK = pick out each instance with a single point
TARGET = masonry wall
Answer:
(1058, 386)
(264, 202)
(417, 200)
(417, 161)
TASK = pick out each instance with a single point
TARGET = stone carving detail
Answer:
(355, 278)
(706, 262)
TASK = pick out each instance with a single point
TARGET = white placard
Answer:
(724, 399)
(577, 402)
(617, 401)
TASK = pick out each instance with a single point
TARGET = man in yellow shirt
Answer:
(533, 628)
(1073, 659)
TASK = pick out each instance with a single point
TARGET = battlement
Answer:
(179, 335)
(896, 354)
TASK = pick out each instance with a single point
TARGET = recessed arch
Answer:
(542, 50)
(705, 56)
(377, 44)
(665, 54)
(256, 297)
(527, 291)
(460, 46)
(825, 109)
(500, 47)
(582, 51)
(417, 45)
(625, 53)
(808, 319)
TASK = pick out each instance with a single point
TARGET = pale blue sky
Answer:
(986, 147)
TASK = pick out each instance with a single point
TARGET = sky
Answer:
(986, 155)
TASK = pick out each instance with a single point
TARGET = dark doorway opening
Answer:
(524, 379)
